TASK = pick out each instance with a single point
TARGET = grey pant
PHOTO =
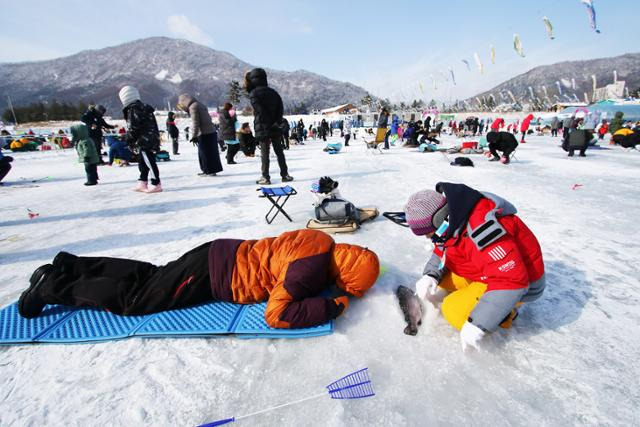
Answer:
(278, 149)
(98, 143)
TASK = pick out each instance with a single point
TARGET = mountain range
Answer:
(565, 81)
(161, 68)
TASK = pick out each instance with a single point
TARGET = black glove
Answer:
(87, 159)
(194, 140)
(326, 185)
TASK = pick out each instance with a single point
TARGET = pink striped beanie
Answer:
(420, 210)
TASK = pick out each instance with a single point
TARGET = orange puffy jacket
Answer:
(290, 272)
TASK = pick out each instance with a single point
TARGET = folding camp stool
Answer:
(374, 145)
(513, 157)
(274, 194)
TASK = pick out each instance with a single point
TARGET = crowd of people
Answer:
(139, 142)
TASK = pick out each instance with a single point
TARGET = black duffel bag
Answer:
(337, 211)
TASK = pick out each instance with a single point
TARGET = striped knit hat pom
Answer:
(420, 209)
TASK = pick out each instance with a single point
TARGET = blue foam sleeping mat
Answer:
(61, 324)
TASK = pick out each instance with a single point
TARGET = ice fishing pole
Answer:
(353, 386)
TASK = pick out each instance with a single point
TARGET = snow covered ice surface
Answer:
(570, 358)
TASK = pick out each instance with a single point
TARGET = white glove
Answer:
(470, 336)
(426, 285)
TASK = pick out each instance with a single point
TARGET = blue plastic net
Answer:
(354, 386)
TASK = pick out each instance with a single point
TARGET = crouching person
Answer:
(501, 141)
(485, 258)
(289, 272)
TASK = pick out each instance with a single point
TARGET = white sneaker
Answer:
(155, 189)
(142, 187)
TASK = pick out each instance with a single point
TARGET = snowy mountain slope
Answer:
(162, 68)
(627, 67)
(570, 359)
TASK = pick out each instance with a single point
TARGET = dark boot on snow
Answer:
(31, 303)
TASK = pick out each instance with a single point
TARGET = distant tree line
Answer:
(45, 111)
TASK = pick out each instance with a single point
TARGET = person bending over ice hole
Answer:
(486, 259)
(289, 272)
(142, 134)
(501, 141)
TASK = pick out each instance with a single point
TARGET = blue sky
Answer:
(390, 48)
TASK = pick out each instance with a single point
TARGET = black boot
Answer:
(30, 304)
(64, 261)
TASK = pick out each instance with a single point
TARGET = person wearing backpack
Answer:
(486, 260)
(142, 134)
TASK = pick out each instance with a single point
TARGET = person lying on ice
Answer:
(288, 271)
(487, 258)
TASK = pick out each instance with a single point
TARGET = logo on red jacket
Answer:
(507, 266)
(497, 253)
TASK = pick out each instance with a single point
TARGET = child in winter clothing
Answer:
(604, 128)
(486, 257)
(228, 120)
(173, 132)
(143, 133)
(87, 152)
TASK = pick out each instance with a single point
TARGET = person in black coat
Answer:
(267, 110)
(172, 131)
(94, 120)
(143, 135)
(501, 141)
(427, 125)
(285, 129)
(5, 165)
(247, 141)
(324, 129)
(300, 130)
